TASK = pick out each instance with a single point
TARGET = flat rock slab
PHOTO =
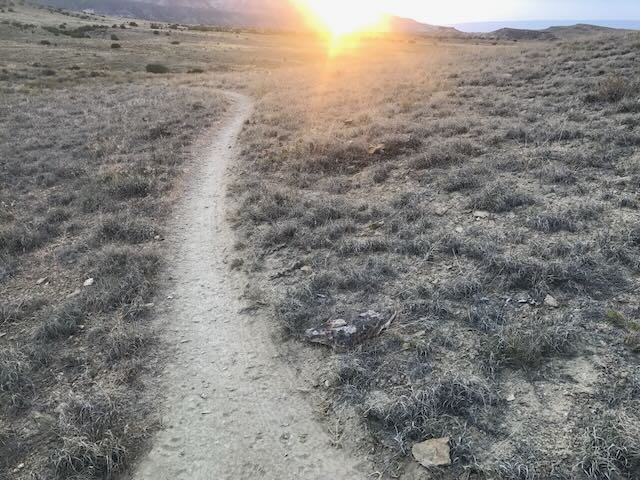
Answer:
(433, 453)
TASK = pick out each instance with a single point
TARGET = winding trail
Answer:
(230, 406)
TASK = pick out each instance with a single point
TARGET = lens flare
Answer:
(341, 18)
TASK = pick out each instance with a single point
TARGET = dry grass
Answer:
(369, 169)
(398, 228)
(87, 169)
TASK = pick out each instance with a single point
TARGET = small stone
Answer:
(511, 397)
(75, 293)
(441, 210)
(376, 149)
(306, 269)
(481, 214)
(338, 323)
(433, 453)
(459, 230)
(88, 282)
(41, 280)
(549, 301)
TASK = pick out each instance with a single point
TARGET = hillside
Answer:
(581, 29)
(521, 34)
(247, 13)
(408, 25)
(486, 27)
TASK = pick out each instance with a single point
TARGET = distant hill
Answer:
(246, 13)
(580, 29)
(408, 25)
(520, 34)
(485, 27)
(276, 14)
(551, 33)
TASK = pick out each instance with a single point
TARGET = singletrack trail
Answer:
(230, 407)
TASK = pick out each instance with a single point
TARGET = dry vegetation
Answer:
(458, 184)
(488, 194)
(87, 167)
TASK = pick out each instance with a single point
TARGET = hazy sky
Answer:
(458, 11)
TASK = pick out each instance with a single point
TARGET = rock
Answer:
(433, 453)
(549, 301)
(75, 293)
(306, 269)
(341, 333)
(511, 397)
(440, 210)
(3, 334)
(376, 149)
(481, 214)
(41, 280)
(88, 282)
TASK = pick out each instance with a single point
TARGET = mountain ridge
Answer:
(241, 13)
(280, 14)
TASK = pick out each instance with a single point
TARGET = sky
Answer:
(449, 12)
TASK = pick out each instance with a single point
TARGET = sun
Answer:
(341, 18)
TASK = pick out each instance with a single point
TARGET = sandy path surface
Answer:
(230, 406)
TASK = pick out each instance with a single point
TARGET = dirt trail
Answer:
(230, 405)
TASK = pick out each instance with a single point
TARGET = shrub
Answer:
(92, 437)
(157, 68)
(529, 343)
(610, 447)
(15, 384)
(612, 89)
(501, 197)
(129, 186)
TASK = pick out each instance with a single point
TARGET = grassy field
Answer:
(91, 149)
(486, 192)
(488, 195)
